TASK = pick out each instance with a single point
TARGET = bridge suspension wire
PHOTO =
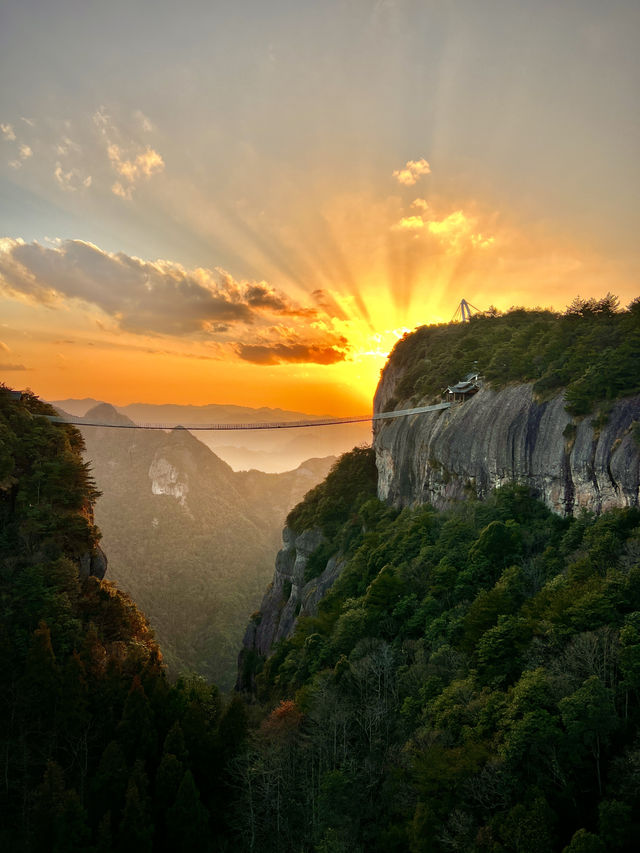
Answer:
(77, 421)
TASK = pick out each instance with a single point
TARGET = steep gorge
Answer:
(501, 435)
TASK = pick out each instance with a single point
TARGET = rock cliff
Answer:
(287, 597)
(494, 438)
(505, 436)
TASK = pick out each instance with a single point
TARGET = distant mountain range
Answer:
(266, 450)
(191, 540)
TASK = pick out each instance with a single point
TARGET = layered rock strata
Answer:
(506, 436)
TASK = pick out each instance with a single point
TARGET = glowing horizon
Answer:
(257, 204)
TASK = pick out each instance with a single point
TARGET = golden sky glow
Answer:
(256, 219)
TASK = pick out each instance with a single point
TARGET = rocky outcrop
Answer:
(93, 563)
(499, 437)
(288, 597)
(440, 457)
(166, 480)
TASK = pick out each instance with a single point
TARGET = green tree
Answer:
(589, 717)
(187, 821)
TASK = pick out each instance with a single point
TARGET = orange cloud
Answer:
(163, 298)
(412, 172)
(409, 223)
(143, 165)
(455, 231)
(289, 353)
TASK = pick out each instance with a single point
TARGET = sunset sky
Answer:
(249, 202)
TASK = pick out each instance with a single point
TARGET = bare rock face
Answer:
(500, 437)
(166, 480)
(495, 438)
(93, 563)
(288, 596)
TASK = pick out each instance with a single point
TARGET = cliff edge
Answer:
(498, 437)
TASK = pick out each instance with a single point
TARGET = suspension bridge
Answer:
(379, 416)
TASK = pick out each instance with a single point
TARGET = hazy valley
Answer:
(191, 540)
(271, 451)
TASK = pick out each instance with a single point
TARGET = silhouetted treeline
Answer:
(98, 751)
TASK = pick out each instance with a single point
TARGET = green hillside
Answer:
(471, 682)
(99, 751)
(592, 350)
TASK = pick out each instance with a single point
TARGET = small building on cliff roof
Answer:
(11, 394)
(464, 389)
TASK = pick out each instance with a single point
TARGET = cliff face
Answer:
(288, 596)
(505, 436)
(495, 438)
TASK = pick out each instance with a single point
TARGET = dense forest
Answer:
(99, 751)
(592, 350)
(471, 681)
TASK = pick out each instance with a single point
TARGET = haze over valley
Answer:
(192, 541)
(271, 451)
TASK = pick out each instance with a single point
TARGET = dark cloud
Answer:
(289, 353)
(8, 367)
(261, 295)
(142, 296)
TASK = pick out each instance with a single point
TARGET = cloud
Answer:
(409, 223)
(131, 161)
(278, 353)
(144, 165)
(412, 172)
(72, 179)
(4, 347)
(143, 121)
(144, 297)
(67, 146)
(455, 231)
(8, 367)
(99, 151)
(24, 152)
(119, 190)
(262, 296)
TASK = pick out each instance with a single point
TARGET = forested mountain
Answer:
(191, 540)
(99, 751)
(470, 682)
(467, 680)
(557, 409)
(591, 350)
(470, 679)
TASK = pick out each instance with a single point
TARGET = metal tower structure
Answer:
(464, 311)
